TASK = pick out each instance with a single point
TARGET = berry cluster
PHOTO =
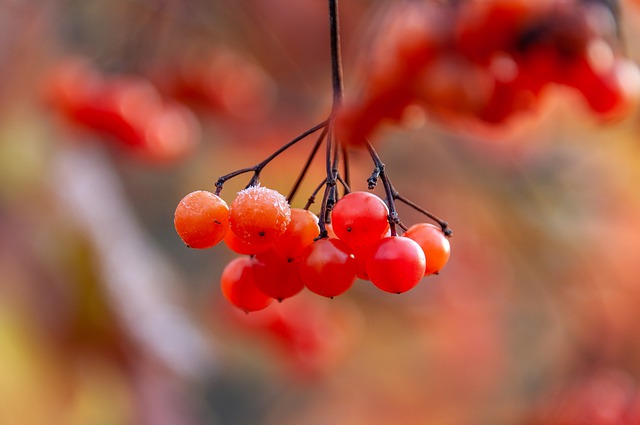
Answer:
(287, 249)
(489, 61)
(128, 109)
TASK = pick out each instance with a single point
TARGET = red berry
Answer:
(360, 218)
(362, 253)
(395, 264)
(276, 276)
(201, 219)
(239, 246)
(239, 287)
(259, 215)
(301, 232)
(328, 267)
(329, 228)
(434, 244)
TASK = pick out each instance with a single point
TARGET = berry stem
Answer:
(329, 196)
(345, 167)
(336, 55)
(388, 188)
(344, 184)
(325, 208)
(307, 164)
(312, 197)
(256, 169)
(372, 181)
(334, 149)
(443, 224)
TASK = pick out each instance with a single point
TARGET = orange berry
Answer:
(434, 244)
(259, 215)
(201, 219)
(237, 245)
(301, 232)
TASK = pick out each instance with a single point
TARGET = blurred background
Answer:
(106, 318)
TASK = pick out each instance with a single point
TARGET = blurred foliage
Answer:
(106, 318)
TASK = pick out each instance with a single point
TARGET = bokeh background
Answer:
(106, 318)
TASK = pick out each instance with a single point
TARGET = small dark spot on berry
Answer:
(217, 221)
(348, 229)
(280, 300)
(261, 233)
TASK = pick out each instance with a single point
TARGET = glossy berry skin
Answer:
(434, 244)
(328, 267)
(239, 246)
(395, 264)
(259, 215)
(201, 219)
(360, 218)
(276, 276)
(301, 232)
(329, 228)
(362, 253)
(239, 287)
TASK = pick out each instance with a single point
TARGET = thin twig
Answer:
(336, 55)
(443, 224)
(388, 188)
(312, 197)
(256, 169)
(307, 164)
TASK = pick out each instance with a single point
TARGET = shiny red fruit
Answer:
(328, 267)
(239, 287)
(396, 264)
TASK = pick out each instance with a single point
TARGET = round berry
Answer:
(301, 232)
(239, 246)
(328, 267)
(395, 264)
(239, 287)
(276, 276)
(259, 215)
(434, 244)
(201, 219)
(360, 218)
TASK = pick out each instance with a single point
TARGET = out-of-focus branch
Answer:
(137, 276)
